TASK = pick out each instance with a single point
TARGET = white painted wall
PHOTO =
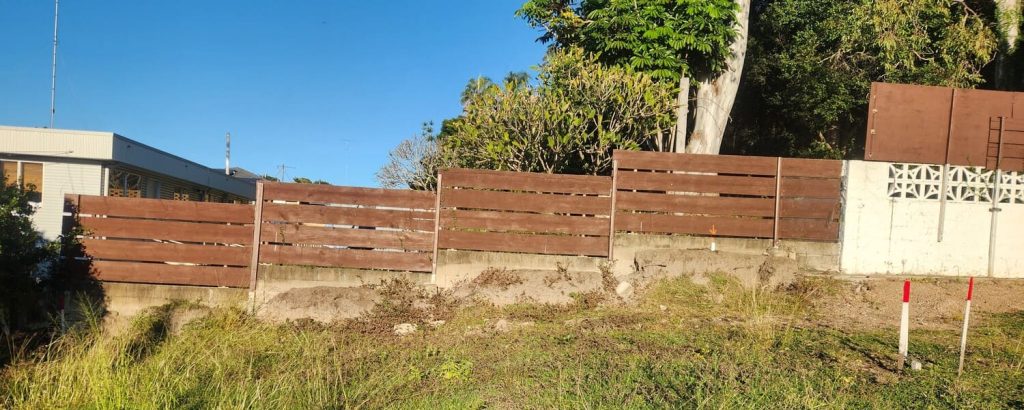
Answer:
(61, 178)
(883, 235)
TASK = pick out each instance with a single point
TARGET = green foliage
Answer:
(569, 122)
(304, 180)
(810, 65)
(21, 253)
(664, 38)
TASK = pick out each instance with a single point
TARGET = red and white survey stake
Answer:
(904, 324)
(967, 318)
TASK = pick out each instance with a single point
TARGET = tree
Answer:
(304, 180)
(413, 163)
(811, 65)
(568, 122)
(682, 43)
(1008, 19)
(21, 252)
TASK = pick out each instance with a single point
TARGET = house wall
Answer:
(161, 186)
(60, 178)
(891, 222)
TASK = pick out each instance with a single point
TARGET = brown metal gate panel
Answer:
(937, 125)
(908, 123)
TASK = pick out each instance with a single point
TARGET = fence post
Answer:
(254, 261)
(437, 229)
(611, 216)
(778, 193)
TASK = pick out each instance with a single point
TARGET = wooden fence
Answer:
(211, 244)
(524, 212)
(332, 226)
(167, 242)
(722, 195)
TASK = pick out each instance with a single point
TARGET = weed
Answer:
(499, 278)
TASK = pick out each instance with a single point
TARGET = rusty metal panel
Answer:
(908, 123)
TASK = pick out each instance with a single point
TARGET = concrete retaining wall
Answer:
(124, 300)
(811, 256)
(272, 280)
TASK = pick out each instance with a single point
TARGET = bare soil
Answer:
(935, 303)
(322, 304)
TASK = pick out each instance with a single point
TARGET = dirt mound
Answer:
(750, 270)
(322, 304)
(504, 287)
(935, 303)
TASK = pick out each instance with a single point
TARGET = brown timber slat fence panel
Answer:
(347, 227)
(166, 242)
(524, 212)
(725, 195)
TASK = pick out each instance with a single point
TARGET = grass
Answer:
(682, 345)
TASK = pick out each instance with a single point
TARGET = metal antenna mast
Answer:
(53, 71)
(227, 154)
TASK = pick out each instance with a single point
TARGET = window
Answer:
(28, 175)
(126, 184)
(10, 171)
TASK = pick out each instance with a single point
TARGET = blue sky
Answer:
(325, 87)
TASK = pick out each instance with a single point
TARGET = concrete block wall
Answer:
(886, 235)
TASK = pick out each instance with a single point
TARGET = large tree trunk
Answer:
(1008, 15)
(715, 96)
(682, 112)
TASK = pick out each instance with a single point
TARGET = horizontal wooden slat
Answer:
(727, 206)
(811, 188)
(696, 204)
(808, 229)
(363, 238)
(166, 230)
(165, 209)
(695, 225)
(815, 168)
(525, 202)
(336, 215)
(524, 243)
(166, 252)
(538, 223)
(345, 258)
(526, 181)
(827, 209)
(722, 164)
(397, 198)
(1009, 150)
(161, 273)
(698, 183)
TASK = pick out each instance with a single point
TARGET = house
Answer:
(59, 162)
